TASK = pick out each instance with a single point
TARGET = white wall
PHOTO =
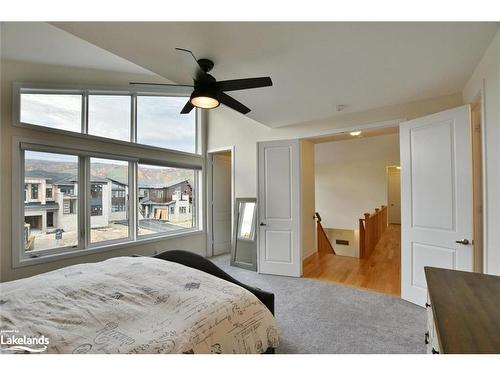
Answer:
(351, 178)
(351, 250)
(12, 71)
(488, 71)
(308, 200)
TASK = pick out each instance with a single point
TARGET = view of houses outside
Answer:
(165, 200)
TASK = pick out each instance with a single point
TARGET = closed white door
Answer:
(221, 200)
(436, 187)
(394, 196)
(279, 208)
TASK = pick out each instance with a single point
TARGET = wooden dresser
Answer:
(463, 312)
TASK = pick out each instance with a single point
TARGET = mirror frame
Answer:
(234, 245)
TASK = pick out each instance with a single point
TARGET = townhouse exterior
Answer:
(50, 203)
(169, 203)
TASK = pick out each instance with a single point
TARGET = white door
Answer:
(221, 200)
(394, 196)
(436, 187)
(279, 208)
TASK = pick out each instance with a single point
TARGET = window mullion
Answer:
(86, 201)
(85, 112)
(133, 119)
(133, 202)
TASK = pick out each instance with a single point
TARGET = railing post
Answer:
(361, 238)
(368, 234)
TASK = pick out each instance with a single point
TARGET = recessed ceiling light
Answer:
(398, 167)
(356, 133)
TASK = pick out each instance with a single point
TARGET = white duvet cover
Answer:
(135, 305)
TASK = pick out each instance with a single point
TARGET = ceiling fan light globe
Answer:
(205, 102)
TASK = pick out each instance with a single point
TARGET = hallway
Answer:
(380, 272)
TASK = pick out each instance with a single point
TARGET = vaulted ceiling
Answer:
(314, 66)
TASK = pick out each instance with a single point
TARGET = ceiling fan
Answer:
(209, 93)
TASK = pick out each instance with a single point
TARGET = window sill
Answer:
(24, 262)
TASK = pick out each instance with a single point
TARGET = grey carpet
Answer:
(317, 317)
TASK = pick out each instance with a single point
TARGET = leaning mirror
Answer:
(244, 249)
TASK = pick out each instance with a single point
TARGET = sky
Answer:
(159, 122)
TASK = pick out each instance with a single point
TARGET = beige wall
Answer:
(351, 250)
(488, 71)
(229, 128)
(25, 72)
(351, 178)
(307, 196)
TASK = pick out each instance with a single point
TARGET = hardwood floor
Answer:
(380, 272)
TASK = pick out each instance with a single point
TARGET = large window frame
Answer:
(85, 91)
(87, 146)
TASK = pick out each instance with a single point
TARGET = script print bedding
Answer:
(136, 305)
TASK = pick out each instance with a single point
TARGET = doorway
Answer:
(220, 201)
(394, 194)
(357, 196)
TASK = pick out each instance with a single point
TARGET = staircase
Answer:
(324, 245)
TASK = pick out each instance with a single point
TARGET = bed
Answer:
(175, 302)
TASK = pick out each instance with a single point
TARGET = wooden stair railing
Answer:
(324, 244)
(371, 228)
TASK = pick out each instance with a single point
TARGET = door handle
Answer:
(465, 241)
(262, 224)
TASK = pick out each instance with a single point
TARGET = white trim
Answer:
(85, 91)
(482, 92)
(104, 248)
(84, 246)
(77, 88)
(209, 174)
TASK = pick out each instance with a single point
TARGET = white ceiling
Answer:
(43, 43)
(314, 66)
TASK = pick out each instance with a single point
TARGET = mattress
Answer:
(134, 305)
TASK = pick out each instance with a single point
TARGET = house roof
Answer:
(146, 185)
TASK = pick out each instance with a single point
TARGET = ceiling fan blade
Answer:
(233, 103)
(244, 84)
(187, 108)
(158, 84)
(191, 63)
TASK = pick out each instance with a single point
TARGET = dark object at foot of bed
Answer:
(196, 261)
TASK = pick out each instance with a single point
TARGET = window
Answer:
(109, 219)
(160, 124)
(42, 165)
(58, 111)
(156, 219)
(119, 207)
(69, 206)
(109, 116)
(96, 210)
(55, 217)
(34, 191)
(157, 120)
(182, 210)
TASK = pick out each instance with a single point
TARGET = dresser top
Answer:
(466, 308)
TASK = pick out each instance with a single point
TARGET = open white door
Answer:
(436, 191)
(221, 203)
(279, 208)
